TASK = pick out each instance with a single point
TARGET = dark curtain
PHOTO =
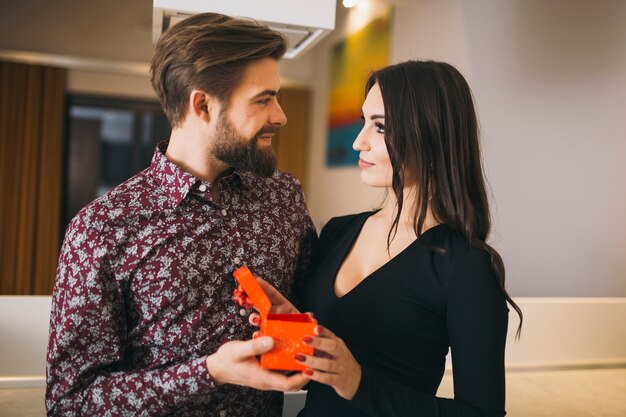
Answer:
(290, 143)
(31, 150)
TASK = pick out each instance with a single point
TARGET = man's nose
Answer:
(278, 118)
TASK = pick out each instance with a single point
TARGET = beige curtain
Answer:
(31, 149)
(290, 143)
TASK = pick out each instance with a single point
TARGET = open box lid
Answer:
(252, 288)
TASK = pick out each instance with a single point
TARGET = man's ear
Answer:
(202, 105)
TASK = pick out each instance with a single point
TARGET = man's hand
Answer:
(236, 363)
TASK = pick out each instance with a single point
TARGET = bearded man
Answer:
(143, 320)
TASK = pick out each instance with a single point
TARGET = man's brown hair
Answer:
(209, 52)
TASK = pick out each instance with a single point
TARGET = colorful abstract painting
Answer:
(353, 59)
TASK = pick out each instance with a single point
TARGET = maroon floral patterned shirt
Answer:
(144, 291)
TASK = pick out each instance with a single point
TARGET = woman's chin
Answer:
(371, 181)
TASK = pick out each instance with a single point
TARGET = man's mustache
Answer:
(266, 130)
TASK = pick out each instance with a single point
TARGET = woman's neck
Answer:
(389, 211)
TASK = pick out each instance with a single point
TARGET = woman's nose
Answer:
(361, 143)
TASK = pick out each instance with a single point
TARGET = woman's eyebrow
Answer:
(373, 116)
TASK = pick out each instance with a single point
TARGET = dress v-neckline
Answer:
(369, 276)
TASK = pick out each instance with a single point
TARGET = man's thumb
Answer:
(259, 346)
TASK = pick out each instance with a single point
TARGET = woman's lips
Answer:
(364, 164)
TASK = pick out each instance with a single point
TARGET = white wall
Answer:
(549, 80)
(336, 191)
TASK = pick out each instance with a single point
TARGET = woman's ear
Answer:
(201, 105)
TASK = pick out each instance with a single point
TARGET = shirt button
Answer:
(236, 261)
(242, 312)
(202, 188)
(224, 212)
(223, 413)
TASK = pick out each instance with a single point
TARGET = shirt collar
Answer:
(242, 179)
(174, 180)
(177, 182)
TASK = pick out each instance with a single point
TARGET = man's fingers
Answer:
(276, 381)
(296, 382)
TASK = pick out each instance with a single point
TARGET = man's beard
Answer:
(241, 153)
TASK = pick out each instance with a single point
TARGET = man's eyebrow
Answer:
(267, 92)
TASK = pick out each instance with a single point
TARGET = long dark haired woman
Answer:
(395, 288)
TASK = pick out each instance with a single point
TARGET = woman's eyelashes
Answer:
(380, 127)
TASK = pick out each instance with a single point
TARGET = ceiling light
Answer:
(350, 3)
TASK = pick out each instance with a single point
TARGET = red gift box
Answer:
(286, 329)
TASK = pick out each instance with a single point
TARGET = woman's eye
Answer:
(380, 128)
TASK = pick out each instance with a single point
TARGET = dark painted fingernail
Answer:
(255, 320)
(300, 358)
(317, 330)
(307, 340)
(307, 372)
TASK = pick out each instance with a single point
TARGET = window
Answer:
(108, 141)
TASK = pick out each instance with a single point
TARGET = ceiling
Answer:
(112, 29)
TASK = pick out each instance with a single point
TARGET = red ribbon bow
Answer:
(242, 298)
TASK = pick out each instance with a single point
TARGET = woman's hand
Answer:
(280, 305)
(333, 364)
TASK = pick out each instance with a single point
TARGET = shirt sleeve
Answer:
(477, 319)
(86, 373)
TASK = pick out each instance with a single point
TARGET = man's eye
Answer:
(264, 101)
(380, 128)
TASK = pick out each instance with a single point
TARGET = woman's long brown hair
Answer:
(431, 131)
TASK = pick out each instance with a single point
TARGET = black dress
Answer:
(400, 321)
